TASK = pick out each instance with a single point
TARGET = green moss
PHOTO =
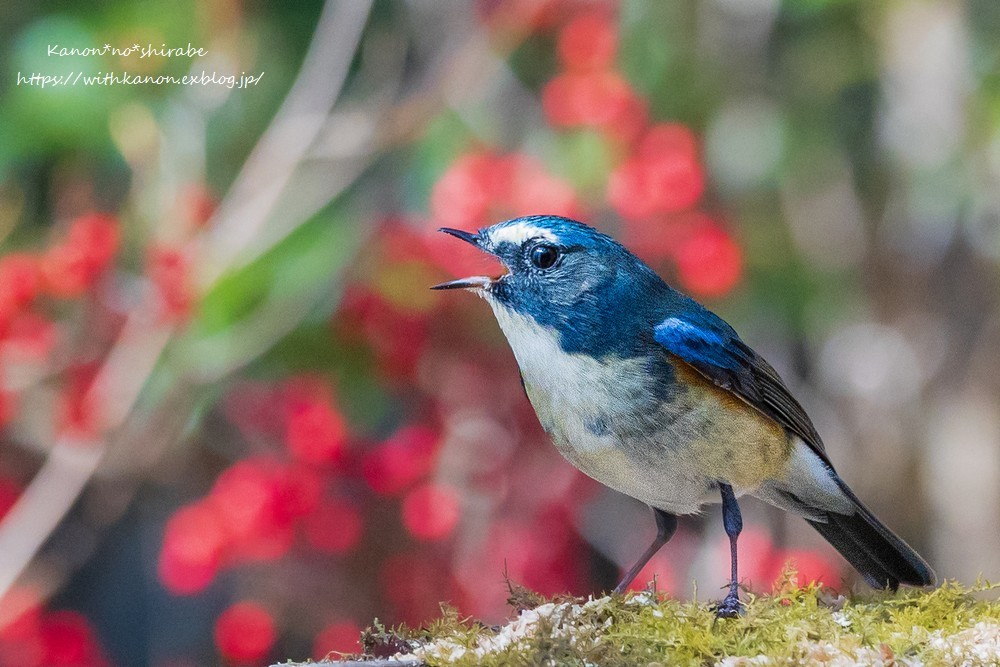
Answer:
(949, 625)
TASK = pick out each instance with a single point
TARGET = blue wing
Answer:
(710, 346)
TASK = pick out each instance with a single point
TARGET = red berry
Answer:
(602, 100)
(588, 42)
(632, 192)
(396, 335)
(315, 432)
(68, 640)
(406, 457)
(19, 283)
(461, 197)
(245, 633)
(431, 511)
(20, 615)
(677, 180)
(30, 337)
(541, 193)
(194, 540)
(341, 637)
(668, 139)
(245, 496)
(334, 527)
(709, 262)
(299, 489)
(72, 267)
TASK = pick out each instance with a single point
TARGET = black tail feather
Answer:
(882, 558)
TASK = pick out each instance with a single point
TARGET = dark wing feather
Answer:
(712, 348)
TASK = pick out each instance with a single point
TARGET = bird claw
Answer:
(730, 607)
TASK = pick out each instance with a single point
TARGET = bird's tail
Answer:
(882, 558)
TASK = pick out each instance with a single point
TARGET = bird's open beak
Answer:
(472, 282)
(468, 237)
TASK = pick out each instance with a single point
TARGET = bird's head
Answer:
(562, 273)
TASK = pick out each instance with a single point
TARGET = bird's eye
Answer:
(544, 256)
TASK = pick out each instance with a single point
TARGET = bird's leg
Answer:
(733, 522)
(666, 525)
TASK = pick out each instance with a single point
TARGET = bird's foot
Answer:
(729, 607)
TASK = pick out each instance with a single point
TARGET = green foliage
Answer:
(443, 140)
(795, 626)
(300, 263)
(285, 284)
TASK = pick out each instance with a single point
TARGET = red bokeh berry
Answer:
(674, 139)
(482, 188)
(259, 500)
(632, 191)
(19, 284)
(658, 238)
(431, 511)
(709, 262)
(590, 99)
(73, 266)
(246, 497)
(664, 175)
(588, 42)
(461, 197)
(21, 615)
(194, 542)
(299, 489)
(68, 641)
(340, 637)
(30, 337)
(245, 633)
(406, 457)
(537, 192)
(334, 527)
(315, 432)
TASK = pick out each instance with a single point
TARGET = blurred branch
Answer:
(70, 464)
(245, 226)
(237, 235)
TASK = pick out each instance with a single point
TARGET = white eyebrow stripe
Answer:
(519, 233)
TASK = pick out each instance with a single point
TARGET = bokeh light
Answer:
(228, 397)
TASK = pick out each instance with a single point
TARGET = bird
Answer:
(650, 393)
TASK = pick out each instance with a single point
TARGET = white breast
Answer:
(572, 393)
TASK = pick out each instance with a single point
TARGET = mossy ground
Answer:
(950, 625)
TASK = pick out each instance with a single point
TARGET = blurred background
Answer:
(237, 426)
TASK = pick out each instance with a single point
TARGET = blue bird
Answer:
(648, 392)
